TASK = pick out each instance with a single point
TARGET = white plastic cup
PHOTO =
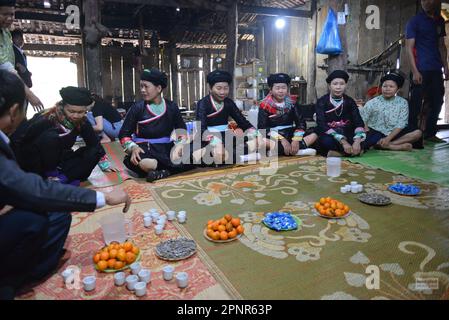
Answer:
(155, 216)
(145, 275)
(182, 219)
(360, 188)
(182, 279)
(147, 221)
(167, 272)
(140, 289)
(89, 283)
(158, 229)
(146, 214)
(333, 165)
(154, 210)
(182, 213)
(354, 189)
(66, 274)
(135, 267)
(161, 221)
(131, 281)
(343, 190)
(171, 215)
(354, 183)
(119, 278)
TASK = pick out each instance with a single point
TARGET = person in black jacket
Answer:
(50, 136)
(146, 132)
(21, 58)
(339, 124)
(32, 238)
(284, 121)
(213, 113)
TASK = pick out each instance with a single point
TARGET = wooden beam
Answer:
(232, 41)
(312, 93)
(23, 15)
(52, 48)
(205, 4)
(174, 71)
(268, 11)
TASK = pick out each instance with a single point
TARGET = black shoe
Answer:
(157, 175)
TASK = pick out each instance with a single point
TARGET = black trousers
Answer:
(432, 92)
(31, 245)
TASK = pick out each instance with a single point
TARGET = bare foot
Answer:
(400, 147)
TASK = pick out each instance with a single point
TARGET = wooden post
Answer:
(206, 69)
(174, 71)
(232, 41)
(154, 41)
(80, 71)
(311, 78)
(260, 42)
(340, 61)
(92, 54)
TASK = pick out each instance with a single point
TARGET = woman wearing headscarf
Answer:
(43, 145)
(146, 134)
(340, 127)
(284, 121)
(386, 117)
(213, 112)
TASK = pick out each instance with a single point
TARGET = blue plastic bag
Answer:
(330, 42)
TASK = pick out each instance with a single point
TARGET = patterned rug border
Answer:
(212, 267)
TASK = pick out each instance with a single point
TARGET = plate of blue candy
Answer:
(281, 221)
(404, 189)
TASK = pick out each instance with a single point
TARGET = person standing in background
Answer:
(427, 54)
(21, 58)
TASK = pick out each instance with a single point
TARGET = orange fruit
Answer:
(338, 213)
(215, 226)
(130, 257)
(328, 199)
(121, 255)
(221, 228)
(216, 235)
(96, 258)
(340, 206)
(235, 222)
(327, 205)
(322, 201)
(135, 250)
(229, 227)
(111, 263)
(232, 234)
(228, 217)
(104, 256)
(317, 205)
(240, 229)
(346, 209)
(105, 249)
(118, 265)
(128, 246)
(210, 233)
(102, 265)
(223, 235)
(113, 253)
(210, 222)
(223, 221)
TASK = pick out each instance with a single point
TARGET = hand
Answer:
(384, 142)
(135, 155)
(238, 132)
(21, 68)
(118, 196)
(417, 77)
(347, 147)
(287, 147)
(35, 102)
(356, 148)
(295, 148)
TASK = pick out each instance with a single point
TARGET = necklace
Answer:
(338, 104)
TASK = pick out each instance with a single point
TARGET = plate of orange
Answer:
(332, 209)
(225, 229)
(116, 257)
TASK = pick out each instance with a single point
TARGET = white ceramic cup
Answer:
(135, 267)
(354, 183)
(89, 283)
(182, 213)
(140, 289)
(181, 218)
(146, 214)
(167, 272)
(359, 188)
(182, 279)
(158, 229)
(355, 189)
(145, 275)
(147, 221)
(119, 278)
(171, 215)
(131, 281)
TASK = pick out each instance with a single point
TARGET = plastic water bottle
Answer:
(253, 114)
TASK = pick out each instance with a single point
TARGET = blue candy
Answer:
(280, 221)
(406, 189)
